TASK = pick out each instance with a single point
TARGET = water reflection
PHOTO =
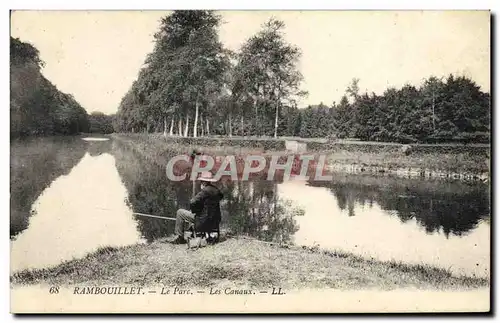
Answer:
(75, 214)
(148, 192)
(34, 164)
(98, 147)
(82, 195)
(345, 219)
(453, 207)
(250, 208)
(254, 208)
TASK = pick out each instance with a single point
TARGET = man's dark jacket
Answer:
(206, 207)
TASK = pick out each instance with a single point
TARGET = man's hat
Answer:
(207, 177)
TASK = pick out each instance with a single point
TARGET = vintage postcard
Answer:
(196, 161)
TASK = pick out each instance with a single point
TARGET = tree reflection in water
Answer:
(453, 207)
(250, 207)
(254, 208)
(34, 164)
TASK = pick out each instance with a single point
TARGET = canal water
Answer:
(71, 196)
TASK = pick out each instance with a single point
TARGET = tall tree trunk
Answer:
(242, 133)
(256, 115)
(171, 132)
(186, 128)
(230, 126)
(208, 127)
(195, 125)
(180, 126)
(433, 114)
(165, 126)
(276, 121)
(201, 126)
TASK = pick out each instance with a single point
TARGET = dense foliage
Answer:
(37, 107)
(191, 85)
(100, 123)
(438, 111)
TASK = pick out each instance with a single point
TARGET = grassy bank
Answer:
(240, 263)
(455, 161)
(459, 165)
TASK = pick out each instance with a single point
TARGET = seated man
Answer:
(205, 209)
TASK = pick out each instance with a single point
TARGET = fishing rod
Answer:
(154, 216)
(151, 215)
(144, 214)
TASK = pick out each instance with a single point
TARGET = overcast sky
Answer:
(96, 55)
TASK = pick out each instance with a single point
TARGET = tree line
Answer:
(190, 85)
(38, 107)
(454, 109)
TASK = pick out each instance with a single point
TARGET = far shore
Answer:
(450, 162)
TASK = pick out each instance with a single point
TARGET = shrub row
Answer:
(265, 144)
(480, 150)
(271, 144)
